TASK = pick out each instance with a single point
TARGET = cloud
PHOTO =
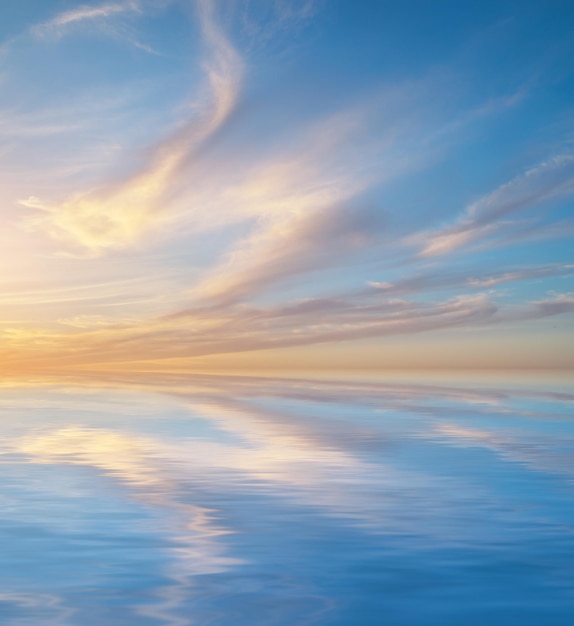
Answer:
(84, 14)
(305, 206)
(441, 279)
(292, 246)
(557, 304)
(548, 180)
(296, 200)
(529, 273)
(241, 328)
(280, 18)
(93, 321)
(116, 215)
(304, 202)
(110, 19)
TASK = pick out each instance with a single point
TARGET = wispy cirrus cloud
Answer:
(283, 17)
(546, 181)
(84, 13)
(112, 19)
(300, 204)
(306, 201)
(442, 279)
(114, 215)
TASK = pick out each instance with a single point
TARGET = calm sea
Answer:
(380, 500)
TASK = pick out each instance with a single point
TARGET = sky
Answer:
(286, 184)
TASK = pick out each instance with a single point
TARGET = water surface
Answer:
(194, 499)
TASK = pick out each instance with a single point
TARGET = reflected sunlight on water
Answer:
(199, 499)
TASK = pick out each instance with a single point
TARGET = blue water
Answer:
(220, 500)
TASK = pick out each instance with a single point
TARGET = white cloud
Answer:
(116, 215)
(548, 180)
(86, 13)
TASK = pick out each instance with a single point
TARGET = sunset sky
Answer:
(286, 183)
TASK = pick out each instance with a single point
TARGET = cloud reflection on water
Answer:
(261, 493)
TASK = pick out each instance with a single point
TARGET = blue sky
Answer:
(300, 183)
